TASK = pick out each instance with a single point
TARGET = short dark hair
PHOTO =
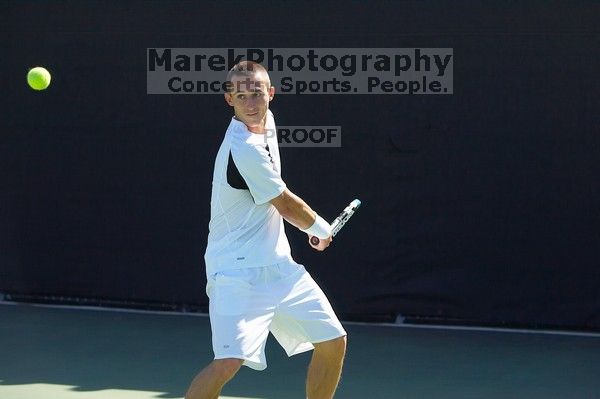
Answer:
(245, 69)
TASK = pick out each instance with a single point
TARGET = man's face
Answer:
(250, 97)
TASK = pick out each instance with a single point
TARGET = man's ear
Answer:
(271, 93)
(229, 99)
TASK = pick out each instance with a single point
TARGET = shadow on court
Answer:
(79, 354)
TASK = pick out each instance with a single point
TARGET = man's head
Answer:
(249, 92)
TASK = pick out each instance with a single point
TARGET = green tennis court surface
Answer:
(50, 353)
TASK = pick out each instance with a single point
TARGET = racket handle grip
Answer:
(314, 240)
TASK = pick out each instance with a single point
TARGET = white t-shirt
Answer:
(245, 230)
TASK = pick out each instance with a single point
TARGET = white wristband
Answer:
(320, 228)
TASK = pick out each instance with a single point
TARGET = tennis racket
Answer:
(340, 221)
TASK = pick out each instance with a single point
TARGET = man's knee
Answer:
(226, 368)
(334, 347)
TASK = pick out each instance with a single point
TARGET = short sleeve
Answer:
(254, 163)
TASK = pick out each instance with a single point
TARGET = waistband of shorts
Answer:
(214, 271)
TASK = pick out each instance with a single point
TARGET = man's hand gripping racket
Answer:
(340, 221)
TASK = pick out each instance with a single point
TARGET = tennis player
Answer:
(253, 284)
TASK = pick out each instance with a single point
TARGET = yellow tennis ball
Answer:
(38, 78)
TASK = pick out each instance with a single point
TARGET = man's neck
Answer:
(255, 129)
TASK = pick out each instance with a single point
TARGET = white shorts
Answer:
(246, 304)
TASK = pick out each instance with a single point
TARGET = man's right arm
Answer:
(297, 212)
(293, 209)
(263, 181)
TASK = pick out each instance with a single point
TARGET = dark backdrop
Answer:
(481, 206)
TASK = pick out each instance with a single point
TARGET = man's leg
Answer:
(208, 383)
(325, 368)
